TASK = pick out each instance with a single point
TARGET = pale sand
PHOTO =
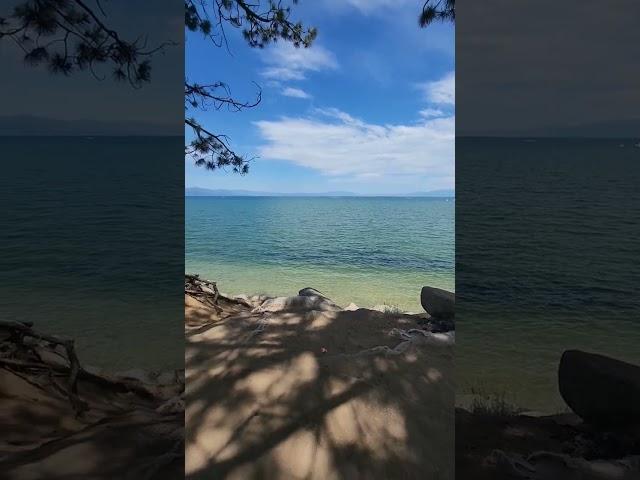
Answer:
(314, 394)
(130, 429)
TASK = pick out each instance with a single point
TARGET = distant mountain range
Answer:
(31, 125)
(24, 125)
(207, 192)
(626, 128)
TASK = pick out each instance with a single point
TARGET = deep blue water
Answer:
(547, 259)
(92, 244)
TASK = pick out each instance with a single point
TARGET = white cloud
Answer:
(337, 144)
(371, 6)
(295, 93)
(286, 62)
(442, 92)
(344, 117)
(283, 73)
(432, 113)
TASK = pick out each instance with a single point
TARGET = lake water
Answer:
(97, 235)
(547, 259)
(92, 245)
(370, 251)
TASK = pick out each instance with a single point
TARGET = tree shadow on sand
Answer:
(91, 425)
(316, 394)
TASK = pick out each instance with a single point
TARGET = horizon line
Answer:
(324, 194)
(320, 195)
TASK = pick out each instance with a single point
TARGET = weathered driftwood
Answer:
(19, 354)
(207, 292)
(18, 332)
(151, 406)
(203, 290)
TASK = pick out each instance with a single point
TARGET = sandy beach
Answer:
(300, 388)
(64, 420)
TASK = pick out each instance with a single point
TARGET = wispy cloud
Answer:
(432, 113)
(337, 144)
(371, 6)
(442, 92)
(286, 62)
(295, 93)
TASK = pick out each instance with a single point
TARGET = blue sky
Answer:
(369, 108)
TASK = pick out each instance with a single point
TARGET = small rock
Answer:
(351, 307)
(258, 299)
(296, 303)
(380, 308)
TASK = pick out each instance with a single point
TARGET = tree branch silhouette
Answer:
(71, 35)
(437, 11)
(261, 23)
(68, 35)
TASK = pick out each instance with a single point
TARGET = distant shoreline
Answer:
(193, 192)
(319, 196)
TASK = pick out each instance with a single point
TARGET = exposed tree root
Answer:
(41, 377)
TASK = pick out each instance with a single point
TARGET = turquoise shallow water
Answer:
(369, 251)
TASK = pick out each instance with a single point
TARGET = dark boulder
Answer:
(310, 292)
(437, 302)
(601, 390)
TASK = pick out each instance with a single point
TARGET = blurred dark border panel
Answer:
(92, 239)
(547, 228)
